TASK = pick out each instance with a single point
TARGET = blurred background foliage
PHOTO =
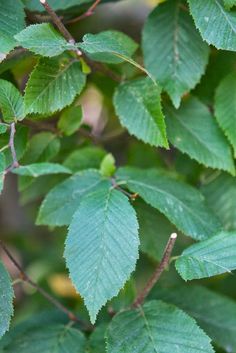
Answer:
(39, 250)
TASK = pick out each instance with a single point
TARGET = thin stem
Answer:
(88, 13)
(133, 197)
(15, 163)
(157, 273)
(56, 20)
(24, 277)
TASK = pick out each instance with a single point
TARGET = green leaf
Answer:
(70, 120)
(215, 313)
(44, 40)
(109, 46)
(229, 3)
(63, 200)
(209, 257)
(102, 246)
(42, 147)
(47, 339)
(2, 162)
(108, 167)
(220, 194)
(53, 85)
(85, 158)
(156, 327)
(174, 52)
(38, 169)
(216, 25)
(183, 205)
(11, 102)
(154, 230)
(193, 130)
(145, 120)
(6, 300)
(11, 22)
(225, 107)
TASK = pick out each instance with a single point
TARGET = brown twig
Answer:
(57, 21)
(157, 274)
(11, 145)
(88, 13)
(45, 294)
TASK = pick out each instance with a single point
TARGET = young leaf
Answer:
(174, 52)
(214, 312)
(102, 246)
(156, 327)
(183, 205)
(220, 194)
(63, 200)
(52, 86)
(70, 120)
(225, 107)
(11, 102)
(37, 169)
(55, 338)
(108, 165)
(216, 25)
(11, 22)
(145, 120)
(6, 300)
(193, 130)
(44, 40)
(209, 257)
(109, 46)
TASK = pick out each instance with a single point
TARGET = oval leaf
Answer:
(156, 327)
(108, 46)
(38, 169)
(208, 258)
(52, 86)
(174, 52)
(145, 120)
(216, 24)
(11, 102)
(44, 40)
(102, 246)
(183, 205)
(193, 130)
(225, 107)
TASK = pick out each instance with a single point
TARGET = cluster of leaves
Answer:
(113, 213)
